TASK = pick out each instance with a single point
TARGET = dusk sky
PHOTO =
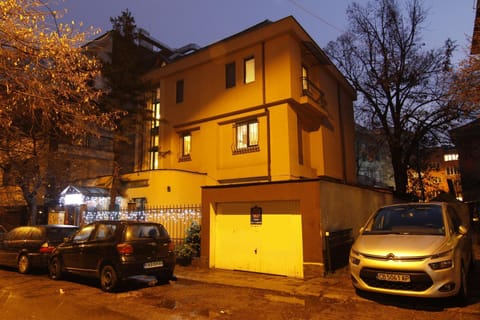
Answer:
(179, 22)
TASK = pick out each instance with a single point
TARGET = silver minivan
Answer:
(413, 249)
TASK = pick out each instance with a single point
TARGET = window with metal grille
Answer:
(246, 136)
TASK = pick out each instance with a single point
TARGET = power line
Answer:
(295, 3)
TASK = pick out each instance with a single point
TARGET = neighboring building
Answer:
(475, 48)
(466, 139)
(440, 172)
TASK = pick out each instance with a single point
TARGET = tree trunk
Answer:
(32, 207)
(400, 172)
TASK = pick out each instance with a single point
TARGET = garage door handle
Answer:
(255, 250)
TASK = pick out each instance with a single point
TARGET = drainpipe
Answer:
(267, 112)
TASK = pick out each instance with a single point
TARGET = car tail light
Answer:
(124, 248)
(171, 246)
(46, 248)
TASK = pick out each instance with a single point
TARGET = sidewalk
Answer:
(333, 285)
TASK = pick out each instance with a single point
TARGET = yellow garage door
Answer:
(270, 243)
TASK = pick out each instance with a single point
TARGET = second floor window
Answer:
(450, 157)
(230, 75)
(304, 79)
(249, 72)
(179, 91)
(246, 134)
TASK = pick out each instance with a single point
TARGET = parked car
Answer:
(3, 230)
(414, 249)
(28, 247)
(113, 251)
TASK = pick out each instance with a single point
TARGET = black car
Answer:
(3, 230)
(28, 247)
(113, 251)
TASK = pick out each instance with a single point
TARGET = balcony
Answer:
(313, 93)
(313, 105)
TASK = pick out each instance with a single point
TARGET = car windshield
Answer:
(411, 219)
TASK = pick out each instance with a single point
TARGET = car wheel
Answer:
(55, 268)
(23, 264)
(108, 278)
(462, 296)
(165, 278)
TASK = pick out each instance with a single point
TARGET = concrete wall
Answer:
(347, 206)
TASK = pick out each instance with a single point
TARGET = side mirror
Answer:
(463, 230)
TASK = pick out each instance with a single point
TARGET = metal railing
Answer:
(310, 90)
(176, 219)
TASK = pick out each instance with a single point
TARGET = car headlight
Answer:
(353, 258)
(441, 264)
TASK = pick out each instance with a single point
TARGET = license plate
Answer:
(153, 264)
(393, 277)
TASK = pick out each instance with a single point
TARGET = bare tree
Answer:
(402, 85)
(46, 92)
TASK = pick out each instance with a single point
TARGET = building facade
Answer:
(258, 128)
(466, 140)
(440, 173)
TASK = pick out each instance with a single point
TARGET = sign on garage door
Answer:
(271, 243)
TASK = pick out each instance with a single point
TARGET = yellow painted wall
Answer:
(185, 187)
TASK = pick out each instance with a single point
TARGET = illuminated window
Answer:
(230, 75)
(249, 72)
(450, 157)
(304, 79)
(186, 146)
(154, 129)
(246, 134)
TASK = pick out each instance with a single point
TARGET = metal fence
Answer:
(176, 219)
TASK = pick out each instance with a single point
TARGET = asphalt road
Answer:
(35, 296)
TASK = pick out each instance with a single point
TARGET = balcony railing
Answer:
(313, 92)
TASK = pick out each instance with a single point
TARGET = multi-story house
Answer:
(257, 128)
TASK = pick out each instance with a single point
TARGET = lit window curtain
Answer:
(253, 134)
(249, 70)
(242, 136)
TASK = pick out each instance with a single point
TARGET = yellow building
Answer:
(257, 128)
(263, 105)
